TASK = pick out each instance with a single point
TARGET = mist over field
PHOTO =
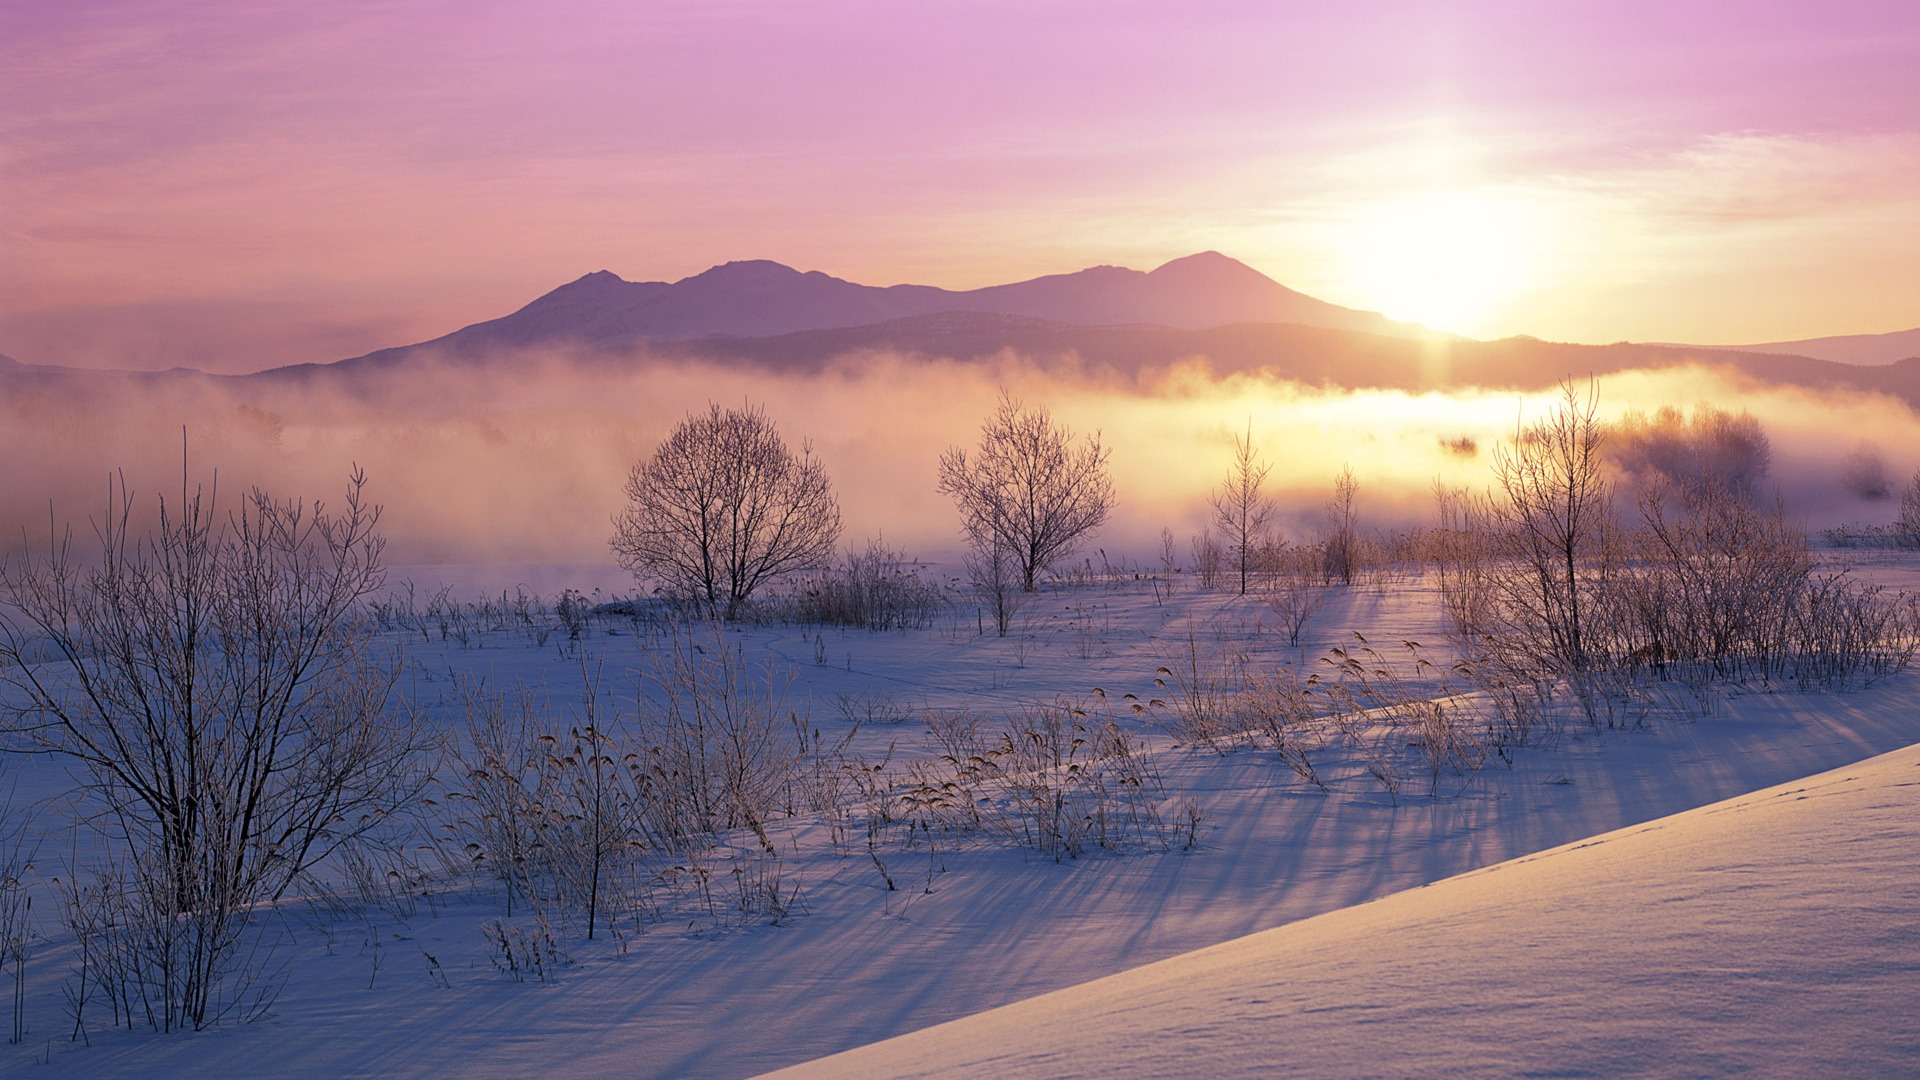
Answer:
(523, 461)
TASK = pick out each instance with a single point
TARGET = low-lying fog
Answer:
(524, 463)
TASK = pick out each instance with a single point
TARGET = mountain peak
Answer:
(745, 272)
(599, 279)
(1208, 263)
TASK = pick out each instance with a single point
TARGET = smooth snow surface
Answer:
(1777, 934)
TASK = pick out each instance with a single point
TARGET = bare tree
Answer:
(722, 507)
(1343, 541)
(1239, 509)
(217, 687)
(1715, 581)
(1028, 491)
(1551, 515)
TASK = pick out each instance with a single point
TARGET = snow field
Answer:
(410, 986)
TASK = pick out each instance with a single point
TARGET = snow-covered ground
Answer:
(1772, 934)
(408, 987)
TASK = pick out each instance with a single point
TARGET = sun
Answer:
(1449, 259)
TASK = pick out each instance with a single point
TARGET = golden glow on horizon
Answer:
(1452, 260)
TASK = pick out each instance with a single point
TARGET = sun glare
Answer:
(1451, 260)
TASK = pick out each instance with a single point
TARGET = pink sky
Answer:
(234, 186)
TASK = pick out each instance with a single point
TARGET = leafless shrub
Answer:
(1716, 577)
(861, 708)
(1841, 633)
(1208, 559)
(1863, 473)
(1050, 780)
(878, 589)
(1725, 591)
(142, 960)
(1551, 526)
(1461, 548)
(16, 912)
(1710, 589)
(714, 744)
(1295, 591)
(216, 685)
(1282, 709)
(1707, 447)
(1202, 685)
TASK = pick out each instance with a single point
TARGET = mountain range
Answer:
(1103, 319)
(762, 299)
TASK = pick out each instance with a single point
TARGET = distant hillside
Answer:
(1847, 349)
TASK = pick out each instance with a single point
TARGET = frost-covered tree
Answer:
(1240, 509)
(1685, 450)
(1343, 537)
(723, 507)
(1029, 493)
(1551, 513)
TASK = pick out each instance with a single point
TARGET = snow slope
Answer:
(1775, 934)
